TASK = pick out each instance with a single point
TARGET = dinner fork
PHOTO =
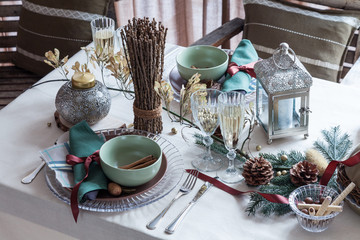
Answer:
(187, 186)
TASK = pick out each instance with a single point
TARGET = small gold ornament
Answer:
(278, 173)
(49, 124)
(174, 130)
(284, 157)
(258, 148)
(283, 172)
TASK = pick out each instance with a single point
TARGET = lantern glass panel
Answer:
(262, 106)
(287, 113)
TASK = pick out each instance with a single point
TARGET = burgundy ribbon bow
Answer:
(233, 68)
(275, 198)
(73, 160)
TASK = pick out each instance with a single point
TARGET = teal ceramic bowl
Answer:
(124, 150)
(211, 62)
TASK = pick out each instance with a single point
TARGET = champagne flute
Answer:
(231, 114)
(204, 110)
(103, 31)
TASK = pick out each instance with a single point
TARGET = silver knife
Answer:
(172, 226)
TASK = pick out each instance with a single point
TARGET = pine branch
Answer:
(336, 146)
(281, 180)
(275, 160)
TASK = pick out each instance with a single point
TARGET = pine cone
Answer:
(303, 173)
(257, 171)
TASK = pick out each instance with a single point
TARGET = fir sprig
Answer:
(278, 185)
(336, 146)
(278, 164)
(260, 204)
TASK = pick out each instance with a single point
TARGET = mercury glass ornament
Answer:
(83, 98)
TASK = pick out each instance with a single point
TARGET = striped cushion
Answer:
(62, 24)
(319, 38)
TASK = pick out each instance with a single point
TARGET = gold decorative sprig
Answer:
(185, 93)
(119, 69)
(164, 90)
(77, 67)
(53, 60)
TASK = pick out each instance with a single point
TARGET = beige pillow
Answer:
(319, 38)
(62, 24)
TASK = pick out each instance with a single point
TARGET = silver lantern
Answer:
(282, 94)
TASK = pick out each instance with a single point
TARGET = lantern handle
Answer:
(284, 49)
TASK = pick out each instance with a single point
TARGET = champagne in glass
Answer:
(103, 31)
(205, 113)
(231, 114)
(104, 42)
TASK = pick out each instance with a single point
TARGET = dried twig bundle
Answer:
(144, 41)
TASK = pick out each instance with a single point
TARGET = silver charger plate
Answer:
(173, 173)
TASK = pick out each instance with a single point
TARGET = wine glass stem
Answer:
(207, 140)
(231, 156)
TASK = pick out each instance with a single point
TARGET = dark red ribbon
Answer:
(233, 68)
(73, 160)
(352, 161)
(275, 198)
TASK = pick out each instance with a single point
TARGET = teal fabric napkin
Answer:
(84, 142)
(244, 53)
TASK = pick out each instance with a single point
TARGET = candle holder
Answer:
(82, 98)
(282, 94)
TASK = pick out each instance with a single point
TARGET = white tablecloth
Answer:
(33, 212)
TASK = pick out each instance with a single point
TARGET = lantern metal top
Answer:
(282, 71)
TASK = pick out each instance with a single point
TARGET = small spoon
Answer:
(32, 175)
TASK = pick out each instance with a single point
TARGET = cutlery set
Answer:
(186, 188)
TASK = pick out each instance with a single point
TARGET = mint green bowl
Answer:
(123, 150)
(211, 62)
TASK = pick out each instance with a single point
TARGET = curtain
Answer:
(186, 20)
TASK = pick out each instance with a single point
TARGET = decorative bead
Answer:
(278, 173)
(284, 158)
(174, 130)
(308, 200)
(283, 172)
(258, 148)
(305, 211)
(49, 124)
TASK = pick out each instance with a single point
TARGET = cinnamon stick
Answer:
(148, 163)
(138, 162)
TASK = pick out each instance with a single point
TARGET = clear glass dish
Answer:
(169, 180)
(315, 191)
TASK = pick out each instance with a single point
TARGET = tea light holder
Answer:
(282, 94)
(82, 98)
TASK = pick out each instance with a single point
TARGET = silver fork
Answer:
(187, 186)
